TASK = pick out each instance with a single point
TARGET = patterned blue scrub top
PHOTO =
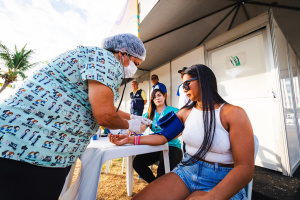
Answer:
(48, 121)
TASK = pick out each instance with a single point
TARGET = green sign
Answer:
(235, 61)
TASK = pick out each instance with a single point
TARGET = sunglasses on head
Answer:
(153, 78)
(186, 84)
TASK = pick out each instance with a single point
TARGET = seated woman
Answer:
(157, 109)
(219, 139)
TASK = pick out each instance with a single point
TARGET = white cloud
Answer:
(52, 27)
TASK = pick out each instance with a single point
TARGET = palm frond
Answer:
(16, 61)
(14, 75)
(30, 66)
(21, 58)
(22, 75)
(5, 55)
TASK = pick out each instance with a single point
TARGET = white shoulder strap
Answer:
(222, 106)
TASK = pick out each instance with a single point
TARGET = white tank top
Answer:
(193, 134)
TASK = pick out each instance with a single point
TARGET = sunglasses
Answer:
(153, 78)
(186, 84)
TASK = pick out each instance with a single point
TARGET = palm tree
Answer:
(16, 62)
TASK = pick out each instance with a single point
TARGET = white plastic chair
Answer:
(109, 164)
(249, 186)
(181, 143)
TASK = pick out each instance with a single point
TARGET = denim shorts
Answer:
(204, 176)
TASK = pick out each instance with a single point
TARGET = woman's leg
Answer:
(167, 187)
(20, 180)
(141, 163)
(175, 156)
(196, 194)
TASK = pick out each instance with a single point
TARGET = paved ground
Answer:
(271, 185)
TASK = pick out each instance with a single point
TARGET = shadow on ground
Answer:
(271, 185)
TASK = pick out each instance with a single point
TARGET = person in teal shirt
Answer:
(157, 109)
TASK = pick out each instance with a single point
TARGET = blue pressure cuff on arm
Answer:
(170, 125)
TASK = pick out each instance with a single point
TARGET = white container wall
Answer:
(164, 76)
(245, 79)
(295, 154)
(196, 56)
(287, 89)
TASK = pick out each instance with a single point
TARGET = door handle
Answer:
(274, 94)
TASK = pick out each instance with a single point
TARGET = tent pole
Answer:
(234, 17)
(245, 11)
(216, 26)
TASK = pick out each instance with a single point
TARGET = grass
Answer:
(113, 185)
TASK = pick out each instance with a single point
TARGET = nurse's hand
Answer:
(135, 125)
(130, 133)
(118, 139)
(144, 120)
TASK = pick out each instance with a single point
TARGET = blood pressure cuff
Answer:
(170, 125)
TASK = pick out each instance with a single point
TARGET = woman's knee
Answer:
(135, 164)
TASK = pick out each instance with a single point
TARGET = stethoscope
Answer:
(124, 85)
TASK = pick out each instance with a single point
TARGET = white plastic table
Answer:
(96, 154)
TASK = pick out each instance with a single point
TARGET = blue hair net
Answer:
(125, 42)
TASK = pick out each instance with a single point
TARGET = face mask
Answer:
(130, 70)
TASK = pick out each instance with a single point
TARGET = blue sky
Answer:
(51, 27)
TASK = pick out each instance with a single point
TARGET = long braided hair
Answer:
(209, 97)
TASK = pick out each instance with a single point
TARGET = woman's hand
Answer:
(200, 195)
(118, 139)
(200, 198)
